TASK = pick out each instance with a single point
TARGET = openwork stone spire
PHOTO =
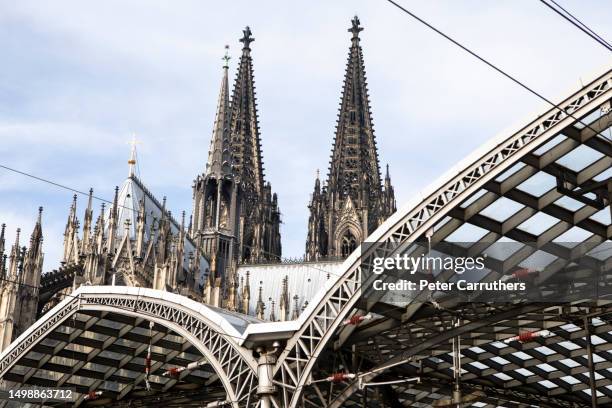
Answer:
(219, 155)
(353, 202)
(354, 158)
(246, 142)
(236, 217)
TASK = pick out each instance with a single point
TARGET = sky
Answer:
(78, 78)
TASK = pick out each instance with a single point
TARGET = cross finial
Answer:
(355, 28)
(226, 57)
(247, 38)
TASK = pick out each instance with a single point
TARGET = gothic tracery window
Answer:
(348, 245)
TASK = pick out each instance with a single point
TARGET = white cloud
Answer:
(82, 76)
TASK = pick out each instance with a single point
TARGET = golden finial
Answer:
(132, 160)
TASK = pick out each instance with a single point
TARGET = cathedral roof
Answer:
(130, 196)
(304, 280)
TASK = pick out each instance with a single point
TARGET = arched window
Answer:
(349, 243)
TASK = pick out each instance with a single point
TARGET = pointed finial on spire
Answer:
(226, 57)
(247, 38)
(317, 174)
(17, 238)
(355, 28)
(132, 160)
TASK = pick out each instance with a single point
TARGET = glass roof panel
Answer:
(579, 158)
(111, 354)
(570, 327)
(570, 380)
(538, 223)
(503, 249)
(538, 260)
(473, 198)
(550, 144)
(503, 376)
(34, 355)
(569, 362)
(588, 119)
(441, 223)
(512, 170)
(467, 233)
(502, 209)
(50, 342)
(479, 365)
(548, 384)
(569, 203)
(524, 372)
(538, 184)
(598, 393)
(499, 344)
(546, 367)
(573, 237)
(603, 176)
(569, 345)
(602, 216)
(500, 360)
(602, 252)
(522, 355)
(545, 350)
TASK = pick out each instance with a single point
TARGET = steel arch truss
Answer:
(79, 333)
(295, 364)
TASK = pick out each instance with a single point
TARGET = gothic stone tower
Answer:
(19, 285)
(236, 217)
(354, 202)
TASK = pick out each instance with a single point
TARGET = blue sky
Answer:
(79, 77)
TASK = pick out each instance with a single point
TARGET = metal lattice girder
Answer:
(515, 371)
(109, 327)
(296, 363)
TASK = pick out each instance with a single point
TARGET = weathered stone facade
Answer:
(20, 279)
(236, 217)
(135, 240)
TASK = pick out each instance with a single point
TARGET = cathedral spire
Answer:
(354, 152)
(36, 236)
(246, 143)
(15, 257)
(87, 222)
(219, 156)
(2, 240)
(353, 202)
